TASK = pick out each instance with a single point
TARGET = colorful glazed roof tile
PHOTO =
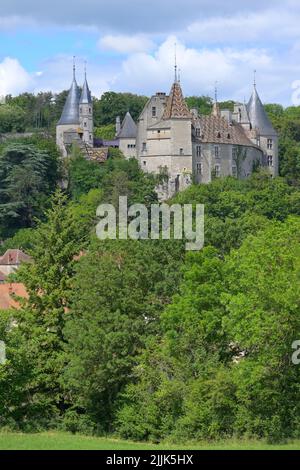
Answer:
(176, 106)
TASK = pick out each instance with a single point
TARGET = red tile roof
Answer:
(7, 293)
(14, 257)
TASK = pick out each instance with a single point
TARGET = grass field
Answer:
(65, 441)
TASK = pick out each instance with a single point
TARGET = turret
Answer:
(267, 136)
(69, 120)
(86, 114)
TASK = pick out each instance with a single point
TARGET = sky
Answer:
(129, 46)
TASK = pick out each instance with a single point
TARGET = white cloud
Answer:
(14, 79)
(256, 27)
(126, 44)
(232, 68)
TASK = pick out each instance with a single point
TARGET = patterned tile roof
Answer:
(99, 155)
(217, 129)
(176, 106)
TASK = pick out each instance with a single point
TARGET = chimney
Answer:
(194, 112)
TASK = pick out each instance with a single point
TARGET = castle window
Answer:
(84, 124)
(144, 163)
(270, 160)
(181, 152)
(153, 111)
(234, 152)
(217, 171)
(270, 144)
(199, 169)
(234, 171)
(144, 148)
(217, 151)
(198, 150)
(197, 131)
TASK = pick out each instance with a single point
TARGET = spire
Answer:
(74, 68)
(70, 114)
(86, 97)
(254, 81)
(258, 116)
(216, 92)
(175, 63)
(176, 106)
(216, 108)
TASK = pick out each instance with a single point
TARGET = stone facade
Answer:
(171, 140)
(176, 142)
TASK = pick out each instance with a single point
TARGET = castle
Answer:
(175, 141)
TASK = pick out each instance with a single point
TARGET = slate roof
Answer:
(70, 114)
(258, 116)
(128, 129)
(217, 129)
(14, 257)
(86, 97)
(176, 106)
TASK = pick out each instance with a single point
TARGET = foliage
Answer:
(107, 132)
(112, 104)
(28, 174)
(119, 291)
(12, 119)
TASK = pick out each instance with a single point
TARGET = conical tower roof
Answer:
(70, 114)
(86, 97)
(176, 106)
(258, 116)
(128, 129)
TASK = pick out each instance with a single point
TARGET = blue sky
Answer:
(129, 46)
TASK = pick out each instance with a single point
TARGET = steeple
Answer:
(70, 114)
(258, 116)
(86, 97)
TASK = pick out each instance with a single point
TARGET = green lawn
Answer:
(65, 441)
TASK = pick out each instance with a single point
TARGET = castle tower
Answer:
(267, 136)
(86, 114)
(69, 121)
(127, 136)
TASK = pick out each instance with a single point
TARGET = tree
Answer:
(119, 291)
(113, 104)
(28, 175)
(41, 320)
(12, 119)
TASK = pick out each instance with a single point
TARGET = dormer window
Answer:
(153, 111)
(198, 132)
